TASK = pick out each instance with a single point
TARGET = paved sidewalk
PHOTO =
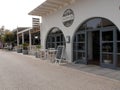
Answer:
(23, 72)
(93, 69)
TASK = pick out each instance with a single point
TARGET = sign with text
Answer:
(68, 17)
(35, 22)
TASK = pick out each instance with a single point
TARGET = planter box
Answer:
(37, 54)
(19, 50)
(25, 52)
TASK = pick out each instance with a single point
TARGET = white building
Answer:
(88, 28)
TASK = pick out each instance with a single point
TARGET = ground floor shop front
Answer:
(96, 41)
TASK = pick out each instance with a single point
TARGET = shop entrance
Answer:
(97, 42)
(94, 47)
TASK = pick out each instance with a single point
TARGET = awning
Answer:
(24, 30)
(50, 6)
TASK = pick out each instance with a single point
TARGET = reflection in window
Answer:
(107, 47)
(107, 36)
(107, 58)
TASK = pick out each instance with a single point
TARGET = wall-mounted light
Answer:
(67, 39)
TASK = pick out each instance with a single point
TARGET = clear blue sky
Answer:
(14, 13)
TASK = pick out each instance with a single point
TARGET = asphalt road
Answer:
(23, 72)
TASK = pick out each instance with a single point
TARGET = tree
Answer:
(8, 37)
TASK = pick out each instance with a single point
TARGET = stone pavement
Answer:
(23, 72)
(93, 69)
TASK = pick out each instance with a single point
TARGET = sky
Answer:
(14, 13)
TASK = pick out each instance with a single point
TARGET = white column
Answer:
(22, 37)
(17, 40)
(30, 39)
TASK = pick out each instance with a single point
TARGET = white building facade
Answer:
(89, 29)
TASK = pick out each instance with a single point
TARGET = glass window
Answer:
(107, 36)
(106, 23)
(118, 47)
(107, 47)
(55, 38)
(58, 38)
(118, 35)
(94, 23)
(81, 37)
(81, 46)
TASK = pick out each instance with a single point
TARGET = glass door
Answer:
(79, 52)
(107, 47)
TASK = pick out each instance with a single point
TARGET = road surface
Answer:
(23, 72)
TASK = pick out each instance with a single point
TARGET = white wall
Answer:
(83, 10)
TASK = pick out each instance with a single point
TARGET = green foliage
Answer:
(8, 37)
(38, 46)
(25, 46)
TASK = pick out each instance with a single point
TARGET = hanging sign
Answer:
(68, 17)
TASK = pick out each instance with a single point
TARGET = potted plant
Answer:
(19, 49)
(25, 48)
(37, 54)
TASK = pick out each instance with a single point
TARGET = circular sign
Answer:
(68, 17)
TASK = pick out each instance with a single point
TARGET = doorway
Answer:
(97, 42)
(94, 47)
